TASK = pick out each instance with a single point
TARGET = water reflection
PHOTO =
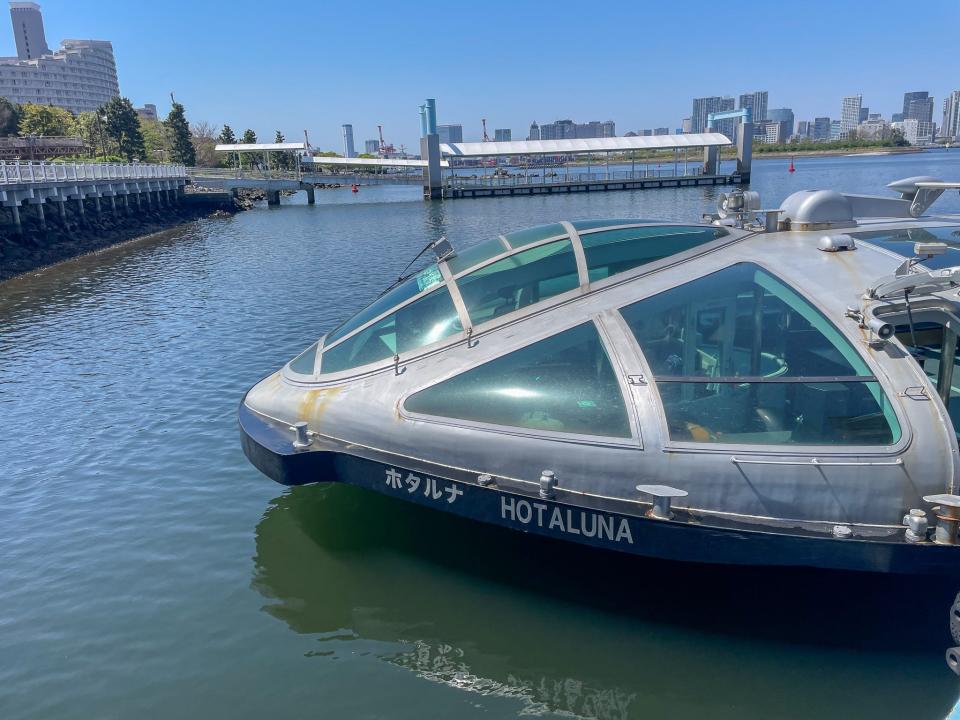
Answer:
(568, 630)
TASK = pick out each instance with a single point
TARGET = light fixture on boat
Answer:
(836, 243)
(443, 249)
(880, 331)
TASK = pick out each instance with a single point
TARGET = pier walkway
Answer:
(34, 184)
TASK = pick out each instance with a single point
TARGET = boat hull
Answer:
(574, 517)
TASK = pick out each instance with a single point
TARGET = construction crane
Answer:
(486, 138)
(384, 148)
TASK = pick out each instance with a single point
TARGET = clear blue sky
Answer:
(317, 64)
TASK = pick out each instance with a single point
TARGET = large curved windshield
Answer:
(423, 280)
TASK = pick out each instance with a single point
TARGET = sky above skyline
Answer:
(314, 66)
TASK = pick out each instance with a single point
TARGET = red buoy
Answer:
(791, 168)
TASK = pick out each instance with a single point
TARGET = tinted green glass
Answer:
(519, 280)
(742, 322)
(305, 361)
(564, 383)
(582, 225)
(902, 242)
(609, 252)
(423, 280)
(476, 254)
(738, 322)
(771, 413)
(420, 323)
(529, 236)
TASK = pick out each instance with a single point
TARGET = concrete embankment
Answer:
(79, 234)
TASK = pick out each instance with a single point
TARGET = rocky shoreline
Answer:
(78, 234)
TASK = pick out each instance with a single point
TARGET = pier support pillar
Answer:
(81, 210)
(711, 160)
(113, 204)
(41, 216)
(166, 194)
(432, 177)
(149, 200)
(17, 223)
(311, 195)
(62, 210)
(744, 149)
(137, 196)
(273, 197)
(96, 204)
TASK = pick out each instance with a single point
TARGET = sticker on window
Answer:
(428, 277)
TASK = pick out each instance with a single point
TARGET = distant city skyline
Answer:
(378, 72)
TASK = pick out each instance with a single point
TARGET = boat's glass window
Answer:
(425, 321)
(423, 280)
(584, 225)
(902, 241)
(740, 357)
(519, 280)
(613, 251)
(934, 345)
(305, 361)
(564, 383)
(476, 254)
(529, 236)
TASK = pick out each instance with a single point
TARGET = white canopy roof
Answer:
(261, 147)
(586, 145)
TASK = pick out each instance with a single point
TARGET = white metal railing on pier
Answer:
(36, 172)
(566, 178)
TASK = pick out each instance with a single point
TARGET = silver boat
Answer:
(761, 387)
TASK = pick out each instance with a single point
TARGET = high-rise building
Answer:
(450, 133)
(28, 30)
(805, 129)
(951, 115)
(702, 107)
(757, 102)
(534, 131)
(821, 128)
(916, 132)
(783, 116)
(80, 76)
(896, 117)
(864, 114)
(569, 130)
(147, 112)
(850, 114)
(836, 131)
(348, 150)
(371, 147)
(686, 125)
(502, 135)
(917, 106)
(661, 131)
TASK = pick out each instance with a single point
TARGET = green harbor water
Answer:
(147, 570)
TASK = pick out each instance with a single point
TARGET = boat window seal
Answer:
(583, 274)
(455, 295)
